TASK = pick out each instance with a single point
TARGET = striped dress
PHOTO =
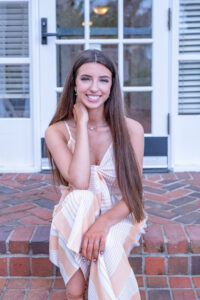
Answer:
(111, 277)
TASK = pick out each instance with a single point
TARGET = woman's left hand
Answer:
(94, 239)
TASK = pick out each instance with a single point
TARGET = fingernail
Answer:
(88, 261)
(101, 252)
(94, 260)
(83, 258)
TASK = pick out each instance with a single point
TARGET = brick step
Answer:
(170, 249)
(151, 288)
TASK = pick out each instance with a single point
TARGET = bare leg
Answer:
(75, 288)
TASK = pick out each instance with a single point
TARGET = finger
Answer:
(89, 250)
(84, 247)
(102, 246)
(96, 249)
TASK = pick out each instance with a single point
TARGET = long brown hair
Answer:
(127, 172)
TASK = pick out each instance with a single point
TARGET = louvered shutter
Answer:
(14, 44)
(189, 57)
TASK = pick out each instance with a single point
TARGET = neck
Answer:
(96, 117)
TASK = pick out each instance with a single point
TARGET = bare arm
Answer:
(75, 168)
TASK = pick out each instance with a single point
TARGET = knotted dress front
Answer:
(111, 277)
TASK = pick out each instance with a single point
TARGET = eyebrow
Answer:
(103, 76)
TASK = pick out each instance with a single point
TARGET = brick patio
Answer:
(167, 263)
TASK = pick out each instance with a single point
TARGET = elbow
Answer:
(81, 184)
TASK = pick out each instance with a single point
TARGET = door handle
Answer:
(44, 33)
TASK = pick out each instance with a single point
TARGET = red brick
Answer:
(183, 175)
(153, 239)
(3, 266)
(33, 220)
(168, 175)
(4, 197)
(19, 266)
(41, 283)
(59, 284)
(156, 197)
(12, 183)
(157, 282)
(137, 250)
(58, 295)
(16, 208)
(151, 183)
(198, 293)
(2, 283)
(51, 196)
(14, 295)
(41, 267)
(12, 217)
(17, 283)
(48, 177)
(178, 265)
(194, 235)
(195, 175)
(183, 294)
(136, 264)
(196, 281)
(19, 241)
(153, 177)
(38, 295)
(154, 265)
(37, 176)
(41, 213)
(143, 295)
(27, 193)
(180, 282)
(158, 294)
(177, 241)
(159, 220)
(9, 176)
(177, 193)
(22, 176)
(140, 281)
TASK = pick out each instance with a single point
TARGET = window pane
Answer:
(137, 65)
(110, 50)
(14, 29)
(65, 57)
(137, 18)
(14, 91)
(103, 18)
(70, 18)
(138, 107)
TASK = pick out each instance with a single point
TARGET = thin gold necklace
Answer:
(99, 125)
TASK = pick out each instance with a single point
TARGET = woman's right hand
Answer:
(80, 113)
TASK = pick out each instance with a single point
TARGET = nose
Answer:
(94, 86)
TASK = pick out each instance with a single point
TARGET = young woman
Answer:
(96, 155)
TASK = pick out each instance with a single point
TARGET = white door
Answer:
(136, 35)
(16, 115)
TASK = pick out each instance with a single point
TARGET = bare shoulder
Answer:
(55, 130)
(135, 129)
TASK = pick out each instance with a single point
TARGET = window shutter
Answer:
(14, 44)
(189, 57)
(14, 29)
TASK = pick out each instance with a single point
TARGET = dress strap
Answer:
(69, 132)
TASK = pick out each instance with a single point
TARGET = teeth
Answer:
(93, 97)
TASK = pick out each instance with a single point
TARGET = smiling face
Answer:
(93, 83)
